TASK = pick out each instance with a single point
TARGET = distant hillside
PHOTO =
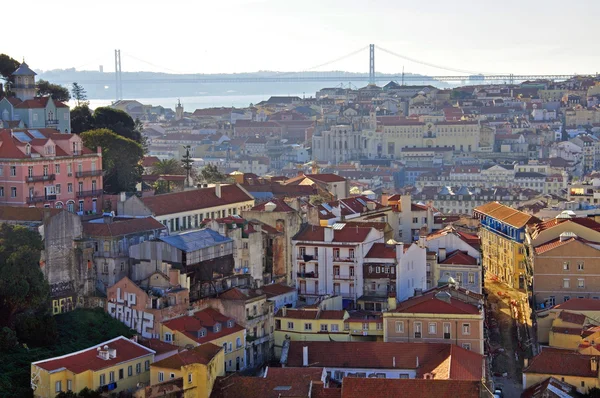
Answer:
(102, 85)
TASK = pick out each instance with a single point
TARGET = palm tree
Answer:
(168, 166)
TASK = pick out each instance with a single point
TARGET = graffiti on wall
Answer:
(62, 305)
(122, 309)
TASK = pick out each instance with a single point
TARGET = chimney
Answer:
(122, 196)
(305, 356)
(441, 254)
(393, 362)
(385, 199)
(417, 362)
(108, 217)
(399, 253)
(392, 302)
(526, 362)
(284, 311)
(594, 364)
(328, 234)
(112, 352)
(218, 189)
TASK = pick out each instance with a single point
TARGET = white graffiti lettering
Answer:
(140, 321)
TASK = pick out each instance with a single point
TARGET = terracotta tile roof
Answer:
(149, 161)
(561, 362)
(276, 289)
(317, 234)
(331, 314)
(202, 354)
(212, 112)
(88, 359)
(237, 294)
(548, 387)
(160, 347)
(506, 214)
(428, 303)
(326, 178)
(320, 391)
(583, 221)
(207, 318)
(571, 317)
(459, 257)
(564, 330)
(280, 206)
(39, 102)
(579, 304)
(380, 355)
(298, 313)
(354, 387)
(197, 199)
(13, 213)
(278, 382)
(122, 227)
(554, 243)
(381, 250)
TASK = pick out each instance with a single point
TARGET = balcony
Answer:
(344, 277)
(307, 257)
(49, 177)
(85, 194)
(344, 259)
(307, 274)
(92, 173)
(39, 199)
(52, 122)
(23, 86)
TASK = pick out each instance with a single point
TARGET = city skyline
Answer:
(250, 35)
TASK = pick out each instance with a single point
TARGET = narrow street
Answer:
(509, 322)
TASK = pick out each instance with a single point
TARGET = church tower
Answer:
(179, 111)
(24, 82)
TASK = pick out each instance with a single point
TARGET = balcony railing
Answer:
(344, 259)
(307, 274)
(49, 177)
(52, 122)
(43, 198)
(22, 86)
(344, 277)
(307, 256)
(84, 194)
(92, 173)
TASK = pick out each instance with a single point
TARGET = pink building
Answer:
(44, 168)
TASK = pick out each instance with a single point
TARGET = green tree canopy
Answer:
(7, 66)
(211, 174)
(57, 92)
(121, 159)
(118, 121)
(168, 166)
(79, 93)
(81, 119)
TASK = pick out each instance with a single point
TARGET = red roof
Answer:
(327, 178)
(276, 289)
(463, 364)
(160, 347)
(202, 354)
(149, 161)
(548, 387)
(347, 235)
(205, 319)
(88, 359)
(459, 257)
(561, 362)
(196, 199)
(237, 294)
(354, 387)
(280, 206)
(39, 102)
(583, 221)
(432, 303)
(122, 227)
(558, 242)
(571, 317)
(381, 250)
(580, 304)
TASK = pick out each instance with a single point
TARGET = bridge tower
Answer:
(118, 77)
(371, 63)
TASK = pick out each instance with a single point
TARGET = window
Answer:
(130, 370)
(57, 189)
(323, 328)
(290, 325)
(57, 169)
(225, 347)
(466, 328)
(334, 327)
(111, 376)
(466, 346)
(102, 379)
(459, 278)
(351, 271)
(336, 253)
(69, 385)
(245, 245)
(351, 253)
(433, 328)
(417, 330)
(147, 365)
(13, 171)
(1, 191)
(566, 283)
(138, 368)
(471, 278)
(365, 326)
(400, 327)
(13, 192)
(566, 266)
(446, 331)
(580, 266)
(58, 386)
(172, 375)
(308, 326)
(69, 187)
(415, 220)
(161, 376)
(189, 378)
(45, 170)
(580, 283)
(238, 342)
(121, 374)
(30, 171)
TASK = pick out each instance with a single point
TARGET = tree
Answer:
(118, 121)
(56, 91)
(79, 94)
(7, 66)
(167, 166)
(121, 159)
(81, 119)
(211, 174)
(23, 288)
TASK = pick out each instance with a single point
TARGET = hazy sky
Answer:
(509, 36)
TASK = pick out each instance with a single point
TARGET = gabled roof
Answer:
(381, 250)
(459, 257)
(121, 227)
(360, 387)
(276, 289)
(467, 365)
(88, 359)
(432, 303)
(195, 240)
(326, 178)
(505, 214)
(39, 102)
(470, 239)
(346, 235)
(197, 199)
(549, 388)
(204, 319)
(558, 242)
(280, 206)
(579, 304)
(561, 362)
(202, 354)
(236, 293)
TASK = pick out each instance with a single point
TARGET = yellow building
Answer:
(113, 366)
(191, 373)
(365, 326)
(502, 236)
(309, 324)
(208, 326)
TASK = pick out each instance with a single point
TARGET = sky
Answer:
(232, 36)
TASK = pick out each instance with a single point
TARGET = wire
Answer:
(154, 65)
(323, 64)
(435, 65)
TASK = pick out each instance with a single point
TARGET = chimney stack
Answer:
(218, 189)
(328, 234)
(305, 356)
(284, 311)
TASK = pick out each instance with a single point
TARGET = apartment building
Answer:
(45, 168)
(502, 236)
(447, 314)
(329, 260)
(409, 220)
